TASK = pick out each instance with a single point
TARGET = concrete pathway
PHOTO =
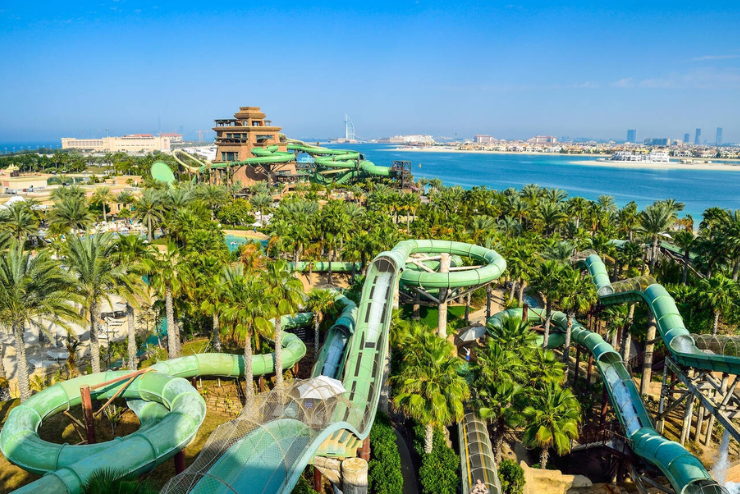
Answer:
(407, 466)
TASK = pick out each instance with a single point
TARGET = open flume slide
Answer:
(683, 470)
(169, 408)
(272, 454)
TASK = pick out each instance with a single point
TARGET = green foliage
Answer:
(439, 469)
(511, 476)
(384, 475)
(108, 481)
(236, 212)
(303, 486)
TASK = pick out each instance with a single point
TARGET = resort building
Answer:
(132, 143)
(174, 137)
(484, 140)
(235, 139)
(543, 140)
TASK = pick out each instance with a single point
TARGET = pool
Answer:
(233, 242)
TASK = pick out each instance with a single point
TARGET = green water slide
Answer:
(355, 352)
(683, 470)
(169, 408)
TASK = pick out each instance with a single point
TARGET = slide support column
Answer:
(444, 267)
(354, 476)
(647, 365)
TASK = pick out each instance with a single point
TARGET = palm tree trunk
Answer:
(428, 438)
(715, 325)
(133, 364)
(654, 256)
(566, 346)
(331, 259)
(94, 343)
(4, 388)
(248, 375)
(735, 270)
(316, 324)
(544, 455)
(278, 353)
(548, 316)
(172, 332)
(499, 439)
(105, 214)
(522, 286)
(149, 228)
(216, 338)
(685, 275)
(21, 364)
(513, 290)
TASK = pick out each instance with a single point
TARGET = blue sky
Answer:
(506, 69)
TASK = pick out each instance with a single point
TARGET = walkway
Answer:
(407, 466)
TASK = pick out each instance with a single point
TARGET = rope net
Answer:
(260, 450)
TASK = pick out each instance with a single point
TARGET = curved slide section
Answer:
(682, 469)
(669, 322)
(355, 350)
(169, 408)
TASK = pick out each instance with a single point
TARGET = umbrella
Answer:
(321, 388)
(471, 333)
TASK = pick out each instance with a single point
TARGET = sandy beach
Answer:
(673, 165)
(479, 151)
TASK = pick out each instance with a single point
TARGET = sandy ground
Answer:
(40, 362)
(247, 234)
(478, 151)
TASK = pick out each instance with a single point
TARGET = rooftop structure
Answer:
(131, 143)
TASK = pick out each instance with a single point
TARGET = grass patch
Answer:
(430, 315)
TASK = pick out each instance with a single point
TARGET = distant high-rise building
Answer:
(632, 135)
(686, 138)
(719, 136)
(697, 137)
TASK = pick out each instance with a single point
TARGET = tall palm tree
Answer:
(320, 301)
(149, 209)
(429, 388)
(718, 293)
(166, 272)
(70, 213)
(551, 421)
(91, 260)
(546, 280)
(213, 195)
(655, 220)
(261, 202)
(248, 311)
(286, 293)
(32, 288)
(103, 196)
(19, 221)
(577, 295)
(131, 253)
(685, 240)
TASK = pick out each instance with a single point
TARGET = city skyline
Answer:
(130, 66)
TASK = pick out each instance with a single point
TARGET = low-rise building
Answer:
(132, 143)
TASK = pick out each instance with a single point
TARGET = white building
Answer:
(132, 143)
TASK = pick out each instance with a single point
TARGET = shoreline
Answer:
(634, 165)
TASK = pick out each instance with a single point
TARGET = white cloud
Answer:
(713, 57)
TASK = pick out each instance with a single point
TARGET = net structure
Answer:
(718, 344)
(476, 455)
(259, 451)
(638, 284)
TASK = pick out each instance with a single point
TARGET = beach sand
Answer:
(730, 165)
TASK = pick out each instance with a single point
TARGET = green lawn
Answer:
(430, 315)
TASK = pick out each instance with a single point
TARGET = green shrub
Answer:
(511, 476)
(439, 472)
(384, 476)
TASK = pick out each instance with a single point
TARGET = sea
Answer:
(697, 189)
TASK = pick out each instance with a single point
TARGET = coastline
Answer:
(634, 165)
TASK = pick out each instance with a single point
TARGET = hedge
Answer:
(511, 476)
(439, 469)
(384, 476)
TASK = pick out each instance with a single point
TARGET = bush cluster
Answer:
(511, 476)
(384, 475)
(439, 472)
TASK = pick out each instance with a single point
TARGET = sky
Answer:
(511, 70)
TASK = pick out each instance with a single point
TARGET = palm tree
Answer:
(248, 311)
(429, 388)
(320, 301)
(286, 293)
(91, 260)
(577, 295)
(32, 288)
(260, 202)
(718, 293)
(166, 273)
(655, 220)
(685, 240)
(213, 195)
(149, 210)
(103, 196)
(546, 280)
(131, 253)
(551, 421)
(19, 221)
(70, 213)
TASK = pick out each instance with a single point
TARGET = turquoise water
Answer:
(698, 189)
(233, 242)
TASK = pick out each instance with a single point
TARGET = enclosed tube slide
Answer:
(684, 471)
(355, 352)
(169, 408)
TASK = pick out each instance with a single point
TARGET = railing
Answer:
(638, 284)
